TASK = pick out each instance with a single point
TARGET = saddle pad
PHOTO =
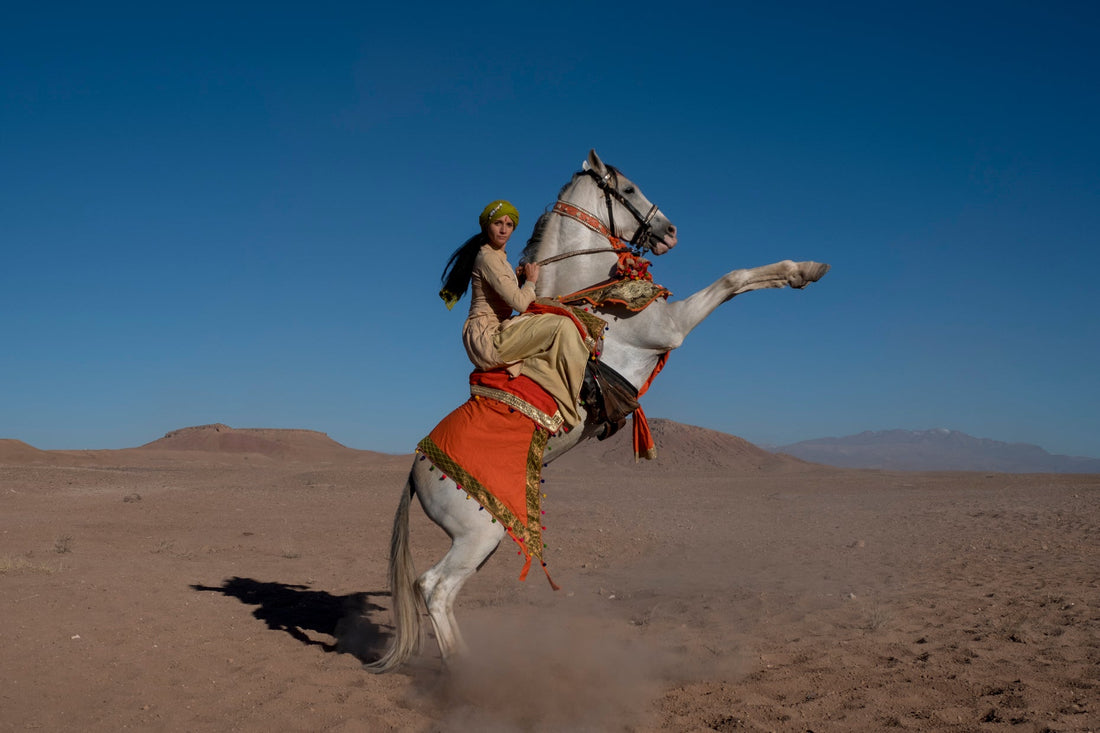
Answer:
(494, 453)
(634, 295)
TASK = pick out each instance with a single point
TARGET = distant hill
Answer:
(681, 448)
(271, 442)
(219, 443)
(17, 452)
(935, 450)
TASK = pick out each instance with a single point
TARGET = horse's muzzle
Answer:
(664, 244)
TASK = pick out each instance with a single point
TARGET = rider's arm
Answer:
(498, 275)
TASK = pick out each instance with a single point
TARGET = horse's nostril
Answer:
(671, 228)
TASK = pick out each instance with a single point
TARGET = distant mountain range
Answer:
(681, 449)
(935, 450)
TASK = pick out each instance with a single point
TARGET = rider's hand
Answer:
(530, 272)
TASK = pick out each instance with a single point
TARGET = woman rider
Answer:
(546, 347)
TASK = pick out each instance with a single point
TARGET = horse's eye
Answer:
(628, 190)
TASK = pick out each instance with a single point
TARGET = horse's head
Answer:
(622, 207)
(599, 213)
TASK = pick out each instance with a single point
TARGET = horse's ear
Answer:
(594, 163)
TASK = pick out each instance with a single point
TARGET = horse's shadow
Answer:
(297, 610)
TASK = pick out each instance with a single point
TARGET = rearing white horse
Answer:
(578, 243)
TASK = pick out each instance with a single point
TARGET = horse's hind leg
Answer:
(441, 584)
(474, 536)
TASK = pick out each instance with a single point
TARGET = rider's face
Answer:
(500, 231)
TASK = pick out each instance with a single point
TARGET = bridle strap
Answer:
(587, 218)
(608, 182)
(591, 221)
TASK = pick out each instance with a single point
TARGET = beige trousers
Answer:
(553, 355)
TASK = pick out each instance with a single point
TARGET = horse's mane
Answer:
(531, 251)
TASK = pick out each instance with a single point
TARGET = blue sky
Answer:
(240, 214)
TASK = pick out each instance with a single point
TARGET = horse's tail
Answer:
(407, 601)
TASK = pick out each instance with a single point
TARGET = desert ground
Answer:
(222, 579)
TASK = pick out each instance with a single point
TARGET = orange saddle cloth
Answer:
(492, 447)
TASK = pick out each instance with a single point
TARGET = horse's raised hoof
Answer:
(806, 273)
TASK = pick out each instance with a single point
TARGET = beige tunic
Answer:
(494, 294)
(546, 348)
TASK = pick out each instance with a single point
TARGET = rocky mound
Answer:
(19, 453)
(271, 442)
(680, 448)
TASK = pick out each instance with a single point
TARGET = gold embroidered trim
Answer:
(551, 423)
(635, 295)
(534, 494)
(589, 219)
(594, 326)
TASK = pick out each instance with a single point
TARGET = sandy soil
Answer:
(205, 586)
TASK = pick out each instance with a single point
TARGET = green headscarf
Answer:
(496, 210)
(456, 276)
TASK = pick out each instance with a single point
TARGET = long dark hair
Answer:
(459, 269)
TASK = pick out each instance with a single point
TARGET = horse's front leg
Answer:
(690, 312)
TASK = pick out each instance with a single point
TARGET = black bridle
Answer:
(609, 184)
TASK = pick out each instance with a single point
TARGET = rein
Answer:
(574, 253)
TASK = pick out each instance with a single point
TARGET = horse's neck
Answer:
(630, 346)
(633, 345)
(563, 235)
